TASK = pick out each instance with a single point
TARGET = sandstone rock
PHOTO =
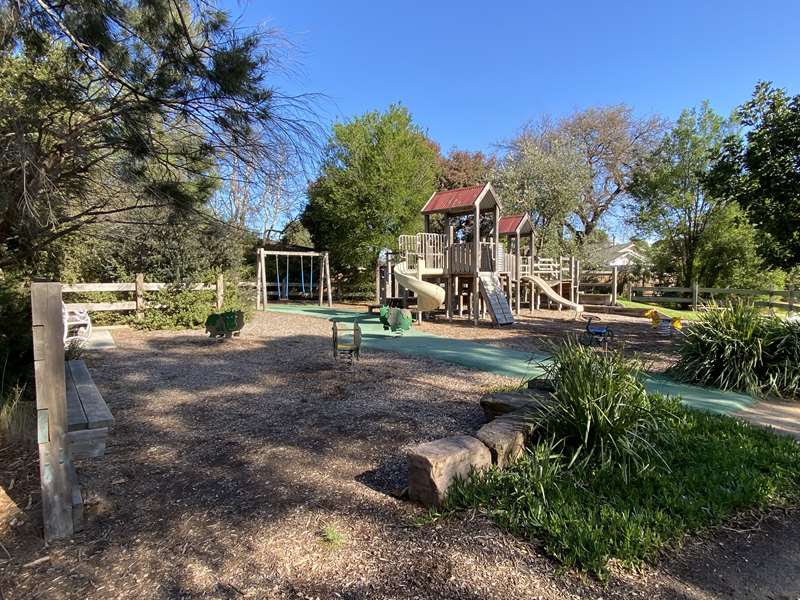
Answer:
(505, 438)
(433, 466)
(502, 403)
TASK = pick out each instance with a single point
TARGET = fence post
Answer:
(140, 296)
(220, 291)
(55, 464)
(614, 280)
(695, 295)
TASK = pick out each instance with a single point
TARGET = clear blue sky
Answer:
(472, 72)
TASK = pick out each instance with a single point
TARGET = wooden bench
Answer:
(88, 415)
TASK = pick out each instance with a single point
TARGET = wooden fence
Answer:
(138, 287)
(699, 297)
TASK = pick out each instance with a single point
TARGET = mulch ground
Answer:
(228, 460)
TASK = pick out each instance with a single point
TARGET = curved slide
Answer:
(551, 293)
(429, 295)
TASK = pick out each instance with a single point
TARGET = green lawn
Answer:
(714, 467)
(687, 315)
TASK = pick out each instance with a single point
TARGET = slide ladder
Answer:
(495, 298)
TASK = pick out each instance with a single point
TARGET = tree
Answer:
(112, 107)
(762, 173)
(376, 174)
(295, 234)
(611, 142)
(542, 173)
(667, 192)
(462, 168)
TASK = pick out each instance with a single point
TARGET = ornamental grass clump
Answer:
(601, 414)
(738, 348)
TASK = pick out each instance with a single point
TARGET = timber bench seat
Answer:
(88, 415)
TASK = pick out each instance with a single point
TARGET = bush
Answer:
(601, 412)
(180, 308)
(738, 348)
(585, 516)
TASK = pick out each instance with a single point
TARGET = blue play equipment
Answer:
(597, 335)
(282, 282)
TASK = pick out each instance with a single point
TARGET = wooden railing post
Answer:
(140, 296)
(220, 291)
(614, 283)
(695, 295)
(55, 464)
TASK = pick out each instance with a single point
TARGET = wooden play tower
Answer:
(462, 269)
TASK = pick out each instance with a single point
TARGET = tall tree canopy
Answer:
(611, 142)
(668, 197)
(762, 172)
(462, 168)
(543, 174)
(377, 172)
(114, 106)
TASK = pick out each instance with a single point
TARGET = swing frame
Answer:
(323, 277)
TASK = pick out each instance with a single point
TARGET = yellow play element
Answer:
(343, 347)
(663, 323)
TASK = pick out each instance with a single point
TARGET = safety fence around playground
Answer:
(699, 298)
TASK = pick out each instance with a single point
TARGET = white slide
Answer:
(551, 293)
(429, 295)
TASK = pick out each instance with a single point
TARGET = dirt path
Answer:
(229, 459)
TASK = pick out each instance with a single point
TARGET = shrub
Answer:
(584, 516)
(180, 308)
(738, 348)
(601, 412)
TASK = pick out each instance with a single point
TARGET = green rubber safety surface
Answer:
(501, 361)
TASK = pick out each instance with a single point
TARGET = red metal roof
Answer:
(453, 200)
(509, 223)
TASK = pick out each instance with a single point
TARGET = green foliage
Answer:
(585, 516)
(16, 342)
(762, 173)
(542, 174)
(180, 308)
(332, 537)
(601, 413)
(295, 234)
(739, 348)
(377, 172)
(670, 202)
(110, 111)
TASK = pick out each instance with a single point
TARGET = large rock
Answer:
(433, 466)
(501, 403)
(504, 438)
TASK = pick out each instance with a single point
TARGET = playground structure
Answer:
(283, 283)
(478, 274)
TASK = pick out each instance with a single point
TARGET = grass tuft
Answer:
(332, 537)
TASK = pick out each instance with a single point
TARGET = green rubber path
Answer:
(502, 361)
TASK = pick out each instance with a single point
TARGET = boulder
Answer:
(433, 466)
(504, 438)
(502, 403)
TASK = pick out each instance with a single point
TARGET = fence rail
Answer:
(698, 297)
(138, 287)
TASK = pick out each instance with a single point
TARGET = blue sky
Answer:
(472, 73)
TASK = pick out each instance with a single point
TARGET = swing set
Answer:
(323, 275)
